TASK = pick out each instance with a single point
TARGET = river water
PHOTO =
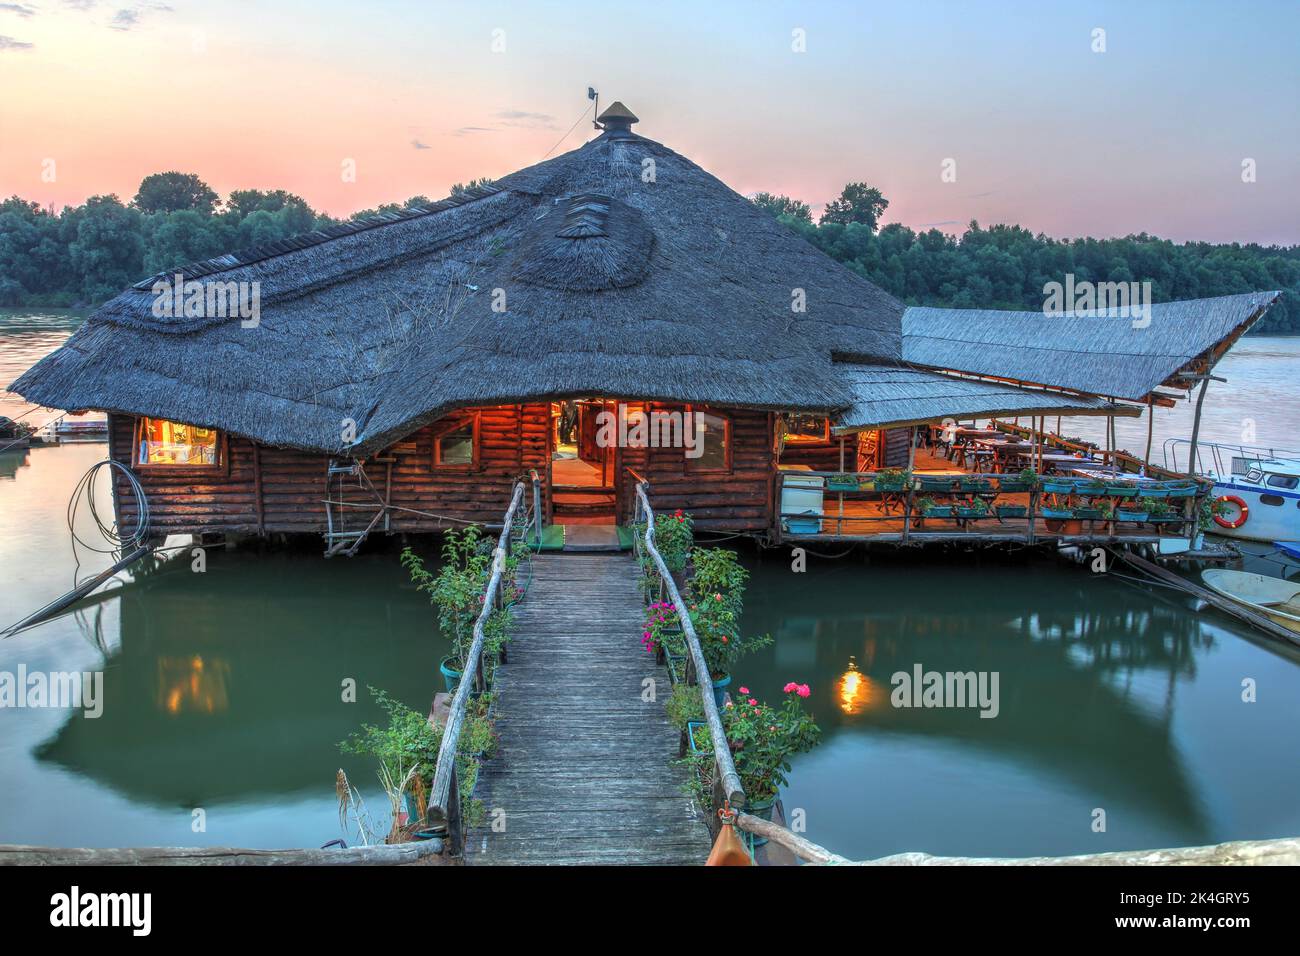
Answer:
(223, 689)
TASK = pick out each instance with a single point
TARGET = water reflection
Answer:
(1091, 675)
(230, 684)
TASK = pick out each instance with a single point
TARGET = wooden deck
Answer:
(583, 773)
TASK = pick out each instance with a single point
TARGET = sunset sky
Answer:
(1149, 135)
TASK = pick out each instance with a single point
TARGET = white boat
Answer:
(1272, 597)
(1256, 490)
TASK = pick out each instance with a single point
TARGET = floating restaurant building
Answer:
(403, 371)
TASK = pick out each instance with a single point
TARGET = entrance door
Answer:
(581, 469)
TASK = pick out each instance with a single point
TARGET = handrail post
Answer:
(537, 507)
(727, 778)
(444, 804)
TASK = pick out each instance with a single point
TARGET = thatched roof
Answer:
(891, 396)
(1083, 351)
(623, 268)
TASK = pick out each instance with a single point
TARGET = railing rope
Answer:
(731, 788)
(444, 802)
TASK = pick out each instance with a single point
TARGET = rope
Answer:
(108, 529)
(571, 129)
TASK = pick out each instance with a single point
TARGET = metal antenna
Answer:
(592, 94)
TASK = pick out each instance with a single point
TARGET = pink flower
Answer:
(752, 702)
(804, 690)
(744, 690)
(646, 635)
(717, 597)
(790, 686)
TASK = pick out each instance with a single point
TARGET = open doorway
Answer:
(582, 468)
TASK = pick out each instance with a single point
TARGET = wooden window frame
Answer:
(459, 422)
(220, 467)
(690, 467)
(805, 441)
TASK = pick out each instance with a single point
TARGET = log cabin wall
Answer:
(738, 500)
(261, 490)
(819, 456)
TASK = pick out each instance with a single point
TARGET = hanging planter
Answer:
(450, 675)
(1058, 486)
(1120, 489)
(842, 483)
(720, 685)
(1011, 511)
(976, 484)
(697, 737)
(938, 484)
(1089, 514)
(763, 810)
(1130, 514)
(1058, 514)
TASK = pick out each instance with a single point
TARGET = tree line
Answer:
(84, 255)
(1006, 267)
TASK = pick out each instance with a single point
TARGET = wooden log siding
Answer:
(739, 500)
(273, 490)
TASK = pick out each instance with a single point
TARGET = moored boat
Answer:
(1274, 598)
(1256, 490)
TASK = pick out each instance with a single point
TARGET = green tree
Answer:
(858, 203)
(783, 206)
(105, 246)
(173, 192)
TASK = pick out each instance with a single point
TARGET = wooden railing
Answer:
(444, 800)
(537, 506)
(726, 782)
(907, 497)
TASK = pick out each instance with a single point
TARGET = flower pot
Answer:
(939, 511)
(976, 484)
(1153, 492)
(1010, 485)
(889, 486)
(720, 685)
(1012, 511)
(971, 513)
(1121, 491)
(1088, 514)
(701, 745)
(1058, 514)
(763, 810)
(450, 676)
(938, 484)
(838, 484)
(1057, 486)
(1125, 515)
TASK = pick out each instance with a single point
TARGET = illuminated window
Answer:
(458, 445)
(713, 432)
(807, 428)
(173, 444)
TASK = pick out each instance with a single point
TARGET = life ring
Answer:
(1243, 511)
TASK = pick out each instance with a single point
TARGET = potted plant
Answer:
(1089, 510)
(932, 509)
(1152, 489)
(762, 739)
(663, 634)
(674, 535)
(1056, 514)
(976, 508)
(1057, 485)
(1129, 512)
(976, 484)
(892, 479)
(1121, 489)
(941, 483)
(717, 592)
(842, 482)
(1027, 480)
(457, 590)
(406, 747)
(1010, 510)
(1160, 510)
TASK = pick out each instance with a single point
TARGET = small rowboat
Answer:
(1272, 597)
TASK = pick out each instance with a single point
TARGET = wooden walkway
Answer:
(583, 773)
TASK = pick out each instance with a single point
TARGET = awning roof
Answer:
(892, 396)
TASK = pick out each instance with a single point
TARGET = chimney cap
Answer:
(617, 118)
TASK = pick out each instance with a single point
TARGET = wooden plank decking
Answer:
(582, 773)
